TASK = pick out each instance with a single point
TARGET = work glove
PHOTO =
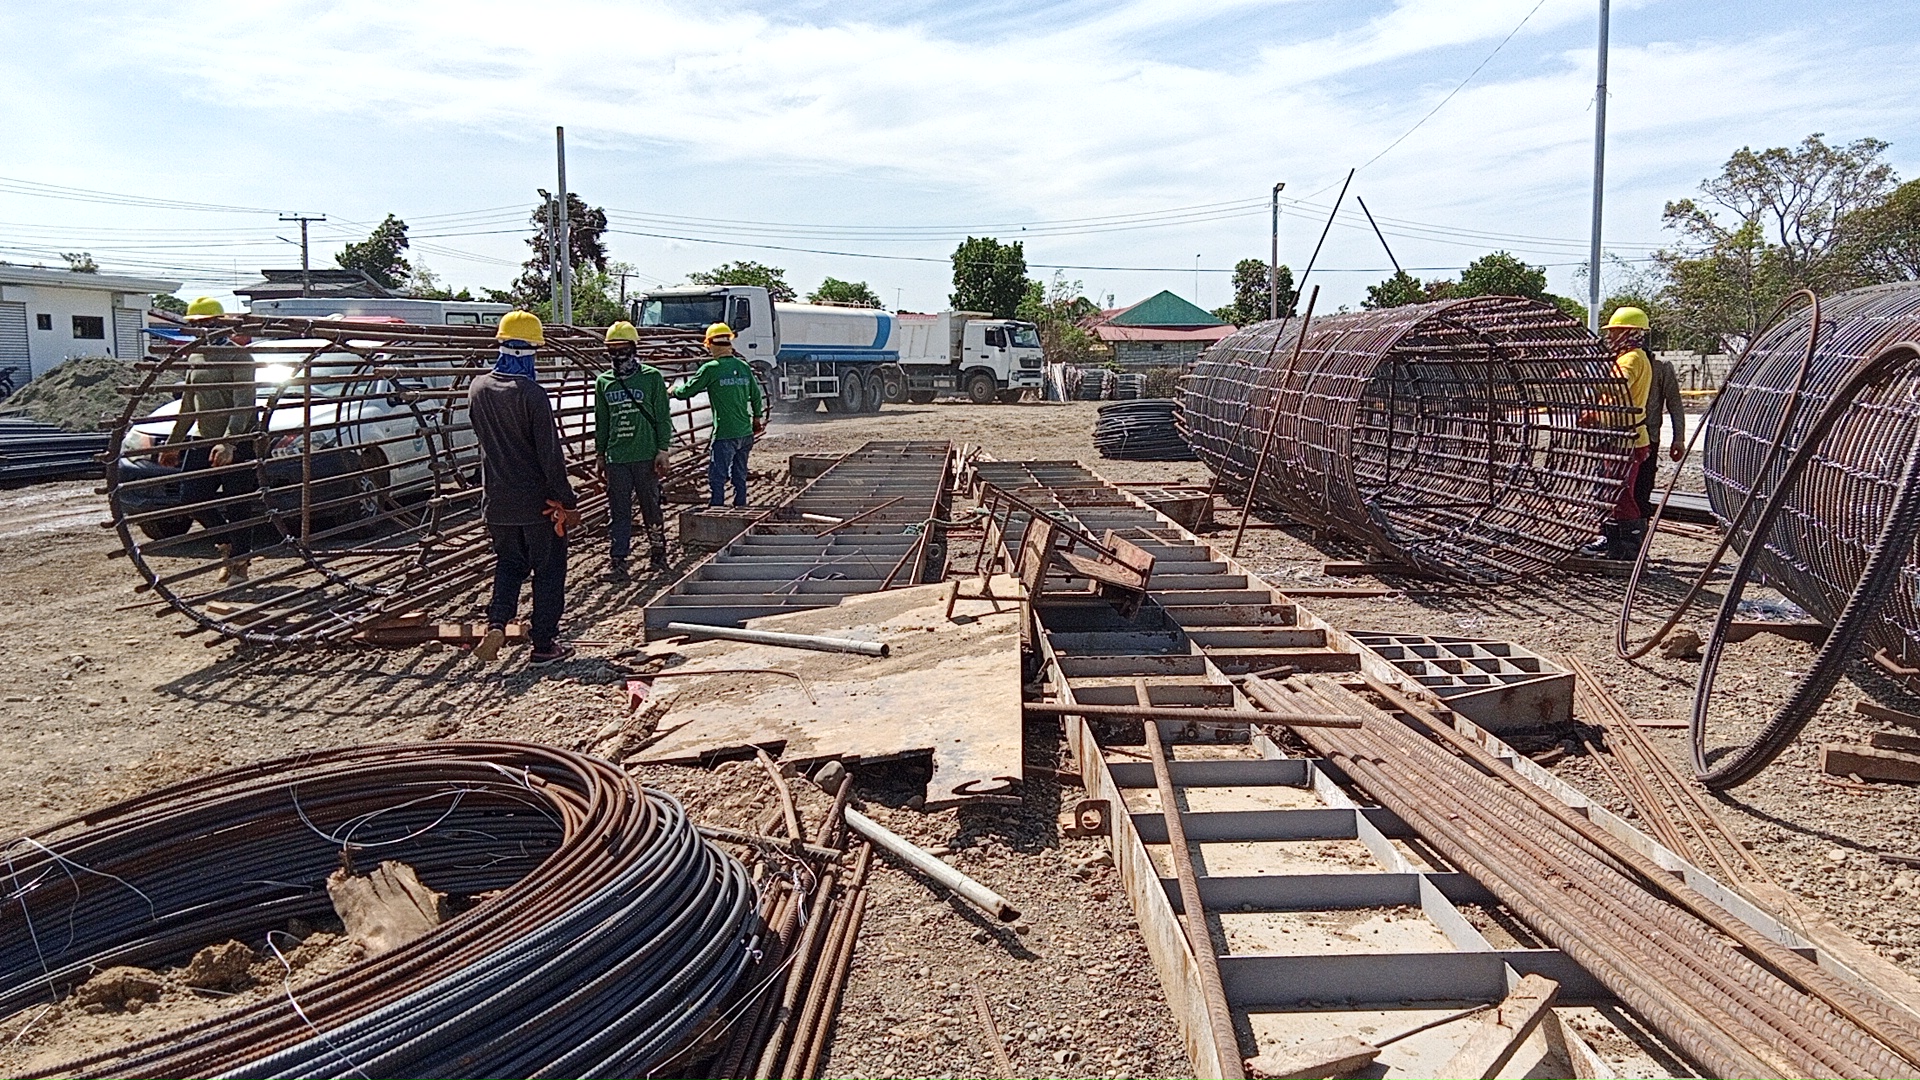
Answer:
(563, 517)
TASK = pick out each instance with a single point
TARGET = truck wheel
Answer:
(981, 388)
(876, 384)
(921, 397)
(853, 395)
(893, 382)
(1009, 397)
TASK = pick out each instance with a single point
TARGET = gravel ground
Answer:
(101, 702)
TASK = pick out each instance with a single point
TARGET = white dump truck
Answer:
(855, 358)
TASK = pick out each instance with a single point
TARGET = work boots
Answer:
(1603, 547)
(617, 572)
(657, 551)
(1625, 540)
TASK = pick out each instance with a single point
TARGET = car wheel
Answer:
(166, 528)
(981, 388)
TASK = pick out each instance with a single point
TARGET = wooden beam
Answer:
(1888, 740)
(1891, 716)
(1811, 632)
(1499, 1034)
(1849, 759)
(1341, 1056)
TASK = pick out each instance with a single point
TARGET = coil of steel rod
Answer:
(604, 929)
(1839, 511)
(1737, 1003)
(1480, 440)
(1144, 430)
(340, 454)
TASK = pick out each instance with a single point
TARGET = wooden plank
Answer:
(1742, 629)
(1891, 716)
(1359, 568)
(454, 633)
(1851, 759)
(1342, 1056)
(1500, 1032)
(1888, 740)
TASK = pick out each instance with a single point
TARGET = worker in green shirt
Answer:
(739, 413)
(633, 436)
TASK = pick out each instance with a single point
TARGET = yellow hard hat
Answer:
(1629, 318)
(719, 329)
(622, 331)
(204, 306)
(522, 326)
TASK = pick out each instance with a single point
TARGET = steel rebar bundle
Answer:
(1144, 430)
(341, 454)
(1481, 439)
(605, 929)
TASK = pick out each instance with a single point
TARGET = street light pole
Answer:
(1273, 263)
(563, 303)
(1599, 172)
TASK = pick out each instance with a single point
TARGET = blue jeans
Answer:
(520, 550)
(729, 461)
(624, 481)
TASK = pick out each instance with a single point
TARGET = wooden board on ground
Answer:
(950, 688)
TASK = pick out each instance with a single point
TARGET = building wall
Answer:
(50, 316)
(1154, 354)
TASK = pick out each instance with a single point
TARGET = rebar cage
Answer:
(1833, 513)
(1481, 439)
(336, 457)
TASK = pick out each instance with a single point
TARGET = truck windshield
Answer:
(1024, 337)
(686, 312)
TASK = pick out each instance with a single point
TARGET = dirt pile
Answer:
(78, 395)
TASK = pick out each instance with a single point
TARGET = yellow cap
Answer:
(719, 329)
(1630, 318)
(521, 326)
(204, 306)
(622, 331)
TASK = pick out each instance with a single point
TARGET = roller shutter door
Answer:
(13, 342)
(126, 333)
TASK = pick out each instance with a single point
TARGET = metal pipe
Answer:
(960, 884)
(815, 642)
(1599, 169)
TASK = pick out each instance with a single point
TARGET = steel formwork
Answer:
(875, 520)
(1481, 439)
(342, 452)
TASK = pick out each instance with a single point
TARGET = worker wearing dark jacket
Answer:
(1663, 401)
(633, 435)
(526, 501)
(739, 413)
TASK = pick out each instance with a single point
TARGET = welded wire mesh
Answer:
(1818, 547)
(337, 459)
(1481, 439)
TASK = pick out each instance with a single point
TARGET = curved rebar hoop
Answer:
(1621, 647)
(354, 454)
(1480, 440)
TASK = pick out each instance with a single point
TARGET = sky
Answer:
(1125, 144)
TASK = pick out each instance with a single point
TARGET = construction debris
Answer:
(387, 908)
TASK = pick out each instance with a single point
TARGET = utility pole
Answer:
(1273, 262)
(1196, 279)
(623, 289)
(563, 301)
(306, 269)
(1599, 173)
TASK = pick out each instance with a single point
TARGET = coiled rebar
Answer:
(1480, 439)
(615, 929)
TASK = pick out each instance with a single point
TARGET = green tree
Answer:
(989, 276)
(424, 284)
(1251, 292)
(80, 262)
(771, 278)
(1882, 242)
(379, 255)
(1397, 291)
(586, 239)
(170, 303)
(1501, 274)
(1056, 309)
(596, 298)
(834, 291)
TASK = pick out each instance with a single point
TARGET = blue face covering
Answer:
(516, 359)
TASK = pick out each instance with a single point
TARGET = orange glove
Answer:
(563, 518)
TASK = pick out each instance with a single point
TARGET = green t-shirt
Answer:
(630, 419)
(733, 389)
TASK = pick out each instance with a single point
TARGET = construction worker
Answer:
(739, 413)
(633, 436)
(1663, 403)
(217, 409)
(526, 501)
(1622, 535)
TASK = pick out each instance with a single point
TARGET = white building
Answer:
(47, 316)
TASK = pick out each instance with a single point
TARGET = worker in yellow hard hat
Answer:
(739, 413)
(526, 501)
(1626, 333)
(633, 436)
(216, 411)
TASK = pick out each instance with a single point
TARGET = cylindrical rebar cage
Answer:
(1480, 440)
(1834, 511)
(334, 459)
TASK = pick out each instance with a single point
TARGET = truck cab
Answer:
(746, 308)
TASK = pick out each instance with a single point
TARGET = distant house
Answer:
(1161, 331)
(47, 316)
(331, 283)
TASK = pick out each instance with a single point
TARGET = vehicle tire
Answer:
(166, 528)
(1009, 397)
(893, 383)
(853, 394)
(922, 397)
(981, 388)
(876, 384)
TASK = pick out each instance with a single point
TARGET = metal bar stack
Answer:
(30, 451)
(343, 457)
(1481, 439)
(874, 520)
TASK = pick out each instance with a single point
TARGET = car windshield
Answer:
(686, 312)
(275, 369)
(1025, 337)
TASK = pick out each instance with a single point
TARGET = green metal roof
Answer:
(1165, 309)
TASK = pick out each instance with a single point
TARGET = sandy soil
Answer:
(101, 701)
